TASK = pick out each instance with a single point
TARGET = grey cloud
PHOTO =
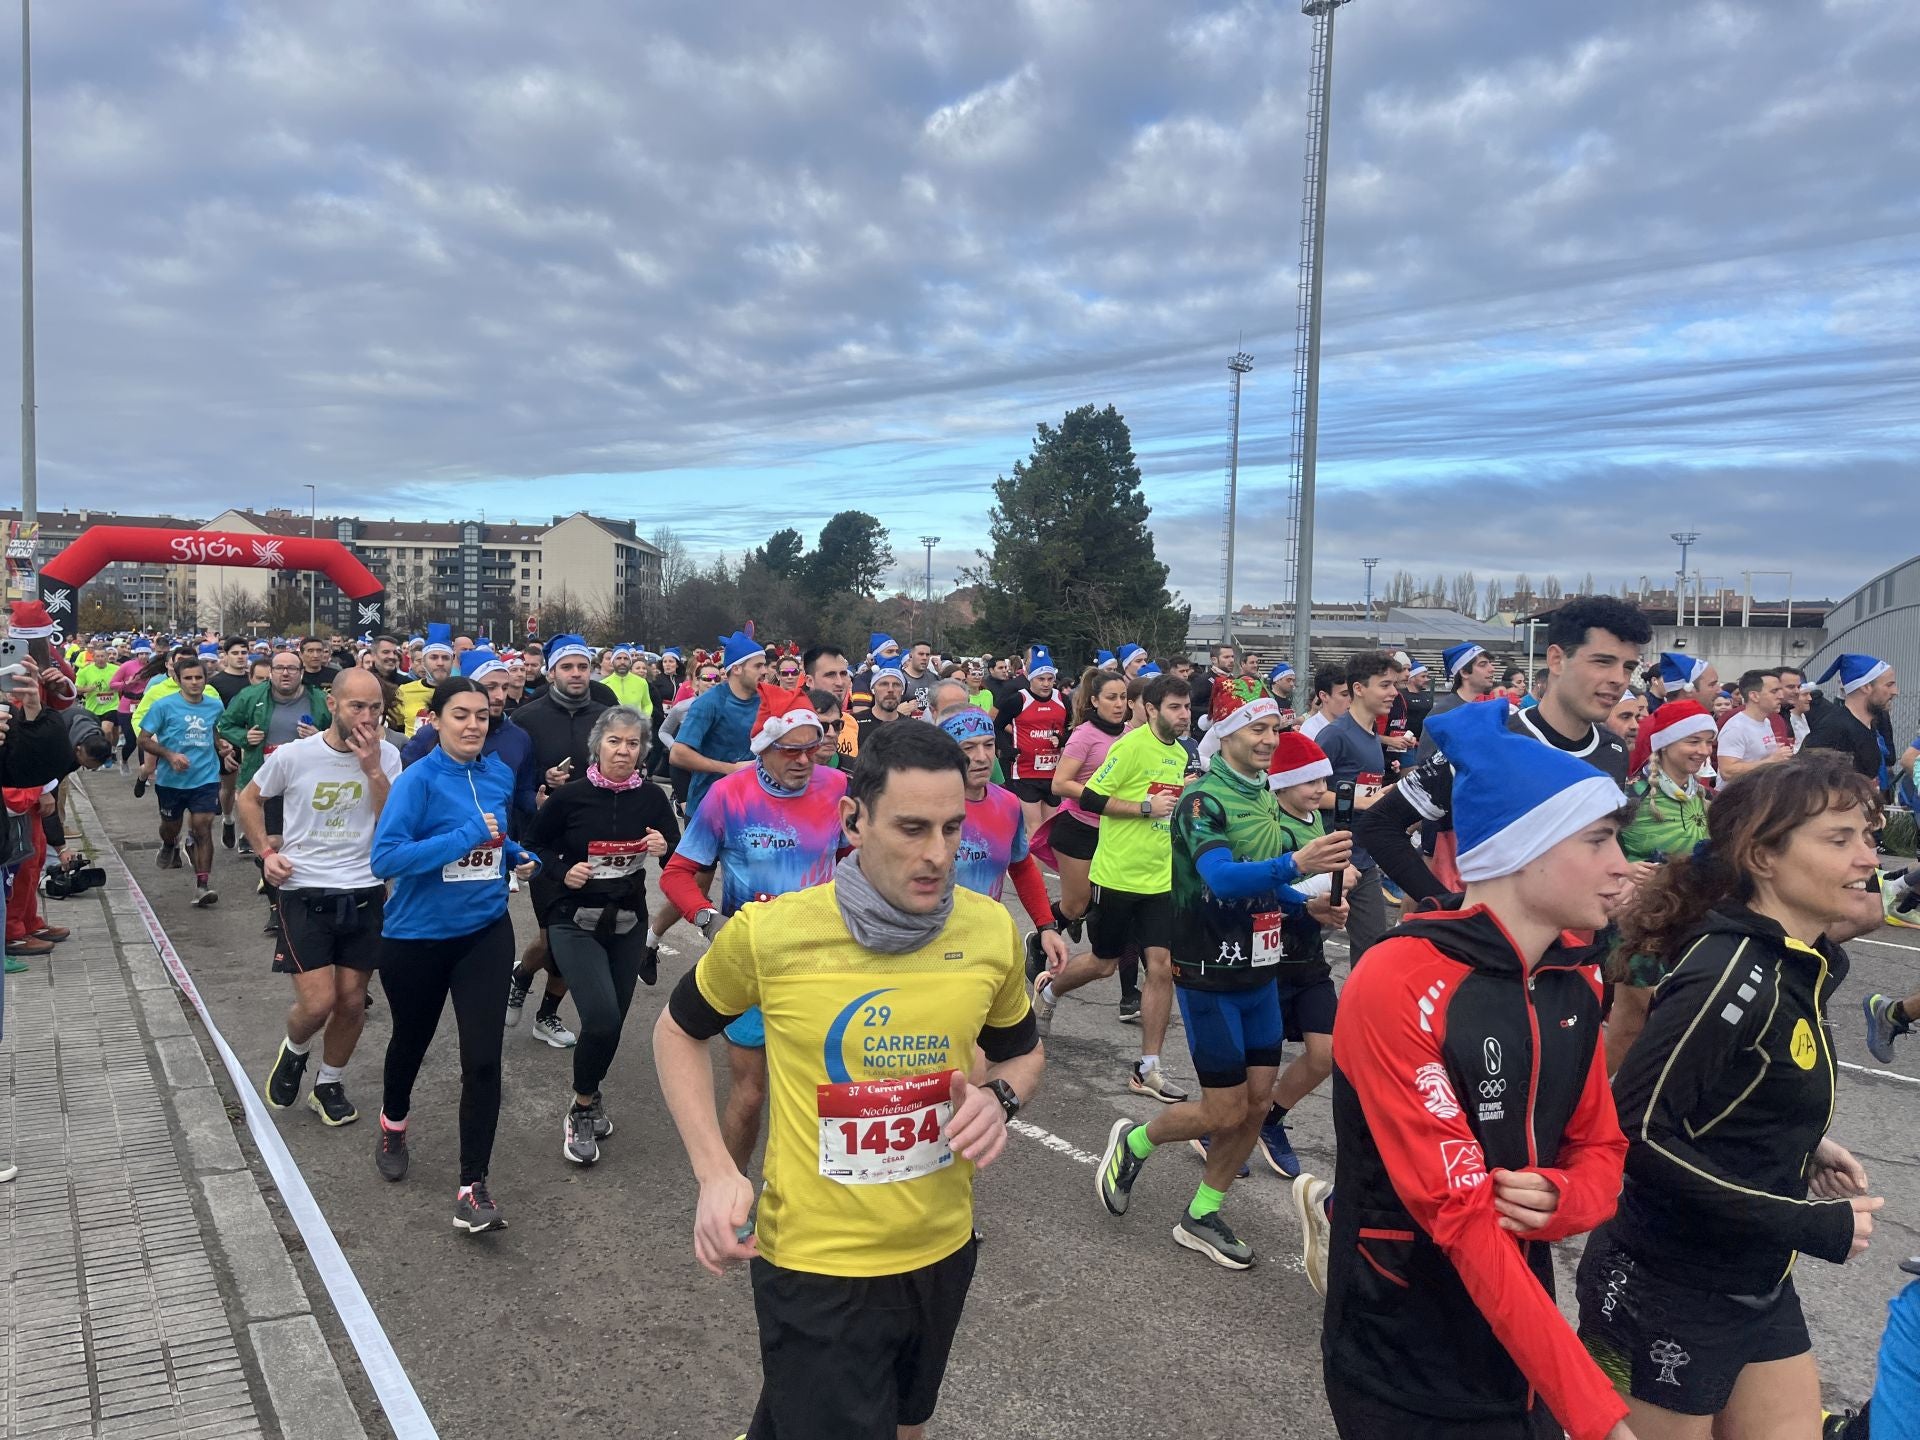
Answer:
(420, 253)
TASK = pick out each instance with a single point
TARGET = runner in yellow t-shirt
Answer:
(875, 988)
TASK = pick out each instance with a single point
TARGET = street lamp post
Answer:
(29, 461)
(927, 612)
(313, 576)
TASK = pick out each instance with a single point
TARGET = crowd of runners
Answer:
(1594, 922)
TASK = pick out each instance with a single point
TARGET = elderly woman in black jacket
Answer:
(593, 836)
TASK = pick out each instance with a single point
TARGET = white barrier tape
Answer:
(404, 1412)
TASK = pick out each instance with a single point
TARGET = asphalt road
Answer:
(589, 1316)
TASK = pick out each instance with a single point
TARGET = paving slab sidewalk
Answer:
(147, 1292)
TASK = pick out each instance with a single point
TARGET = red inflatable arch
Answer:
(101, 545)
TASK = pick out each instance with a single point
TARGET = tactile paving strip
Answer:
(114, 1322)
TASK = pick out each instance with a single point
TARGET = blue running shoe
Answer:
(1200, 1149)
(1882, 1028)
(1278, 1149)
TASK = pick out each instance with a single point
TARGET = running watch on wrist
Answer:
(1146, 809)
(705, 920)
(1003, 1092)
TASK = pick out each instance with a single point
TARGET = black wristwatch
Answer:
(1003, 1092)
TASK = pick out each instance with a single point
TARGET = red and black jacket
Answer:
(1451, 1061)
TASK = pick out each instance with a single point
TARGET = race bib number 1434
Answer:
(877, 1132)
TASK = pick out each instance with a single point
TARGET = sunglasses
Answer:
(798, 750)
(788, 674)
(711, 676)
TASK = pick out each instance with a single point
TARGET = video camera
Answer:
(71, 878)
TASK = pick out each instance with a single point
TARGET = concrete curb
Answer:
(303, 1382)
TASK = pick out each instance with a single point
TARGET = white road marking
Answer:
(1053, 1142)
(1884, 944)
(1883, 1074)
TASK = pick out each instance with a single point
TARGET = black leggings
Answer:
(418, 975)
(600, 976)
(128, 740)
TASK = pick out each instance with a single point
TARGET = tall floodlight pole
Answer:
(1685, 539)
(313, 576)
(29, 462)
(1307, 346)
(1370, 561)
(1240, 364)
(929, 541)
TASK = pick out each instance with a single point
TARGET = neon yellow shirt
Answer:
(159, 688)
(631, 688)
(838, 1014)
(1136, 855)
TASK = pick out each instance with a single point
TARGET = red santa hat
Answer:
(1676, 720)
(30, 621)
(1296, 760)
(781, 711)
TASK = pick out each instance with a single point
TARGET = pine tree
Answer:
(1072, 562)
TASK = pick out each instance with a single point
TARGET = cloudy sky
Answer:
(1595, 272)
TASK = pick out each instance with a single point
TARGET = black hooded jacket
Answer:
(1723, 1098)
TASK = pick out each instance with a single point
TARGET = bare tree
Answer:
(677, 565)
(1466, 590)
(1550, 591)
(1586, 583)
(1495, 602)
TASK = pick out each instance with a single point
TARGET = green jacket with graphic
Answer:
(1217, 940)
(250, 710)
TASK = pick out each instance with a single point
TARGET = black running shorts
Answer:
(1034, 792)
(1672, 1345)
(319, 928)
(1073, 837)
(1121, 918)
(854, 1359)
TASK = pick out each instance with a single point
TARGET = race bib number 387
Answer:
(614, 859)
(877, 1132)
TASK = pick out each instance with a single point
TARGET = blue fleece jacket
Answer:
(505, 739)
(432, 817)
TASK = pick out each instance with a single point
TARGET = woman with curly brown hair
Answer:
(1686, 1297)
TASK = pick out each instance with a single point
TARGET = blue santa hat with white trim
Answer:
(1148, 671)
(1279, 672)
(1855, 671)
(208, 651)
(876, 642)
(565, 647)
(476, 664)
(1042, 662)
(1457, 657)
(439, 639)
(1514, 799)
(739, 647)
(1104, 659)
(1680, 669)
(1126, 652)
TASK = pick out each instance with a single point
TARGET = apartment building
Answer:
(476, 575)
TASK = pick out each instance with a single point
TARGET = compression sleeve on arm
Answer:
(1231, 879)
(1092, 800)
(1031, 886)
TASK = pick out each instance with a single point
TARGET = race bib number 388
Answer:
(480, 863)
(876, 1132)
